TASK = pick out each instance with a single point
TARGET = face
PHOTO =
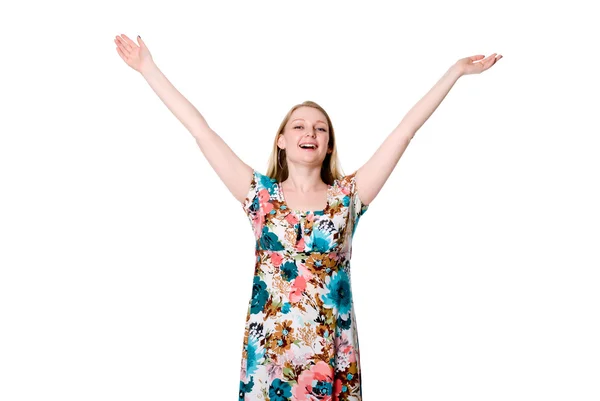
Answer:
(306, 125)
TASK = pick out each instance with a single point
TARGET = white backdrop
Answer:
(126, 265)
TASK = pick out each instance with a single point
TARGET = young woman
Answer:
(300, 340)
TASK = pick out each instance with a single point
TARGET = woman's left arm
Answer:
(375, 172)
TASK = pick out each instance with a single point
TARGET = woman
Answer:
(300, 340)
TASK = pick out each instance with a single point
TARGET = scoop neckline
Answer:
(304, 212)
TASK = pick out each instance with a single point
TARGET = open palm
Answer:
(475, 64)
(136, 56)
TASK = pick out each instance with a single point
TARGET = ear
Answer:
(281, 142)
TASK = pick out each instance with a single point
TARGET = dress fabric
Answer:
(300, 340)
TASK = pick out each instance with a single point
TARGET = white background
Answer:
(126, 264)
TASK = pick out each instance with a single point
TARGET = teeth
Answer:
(306, 145)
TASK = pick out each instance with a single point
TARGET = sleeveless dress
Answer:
(300, 341)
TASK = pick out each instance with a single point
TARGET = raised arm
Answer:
(234, 173)
(374, 173)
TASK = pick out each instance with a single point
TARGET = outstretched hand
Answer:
(475, 64)
(137, 57)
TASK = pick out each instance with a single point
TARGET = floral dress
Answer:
(300, 340)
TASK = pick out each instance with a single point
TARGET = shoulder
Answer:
(263, 181)
(347, 183)
(263, 186)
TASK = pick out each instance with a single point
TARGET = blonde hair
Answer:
(330, 169)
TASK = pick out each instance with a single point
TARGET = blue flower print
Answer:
(266, 182)
(259, 295)
(319, 241)
(321, 388)
(254, 355)
(270, 241)
(280, 391)
(246, 388)
(343, 324)
(289, 271)
(338, 295)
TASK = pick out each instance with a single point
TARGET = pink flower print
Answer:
(351, 354)
(258, 223)
(314, 384)
(297, 359)
(298, 287)
(276, 259)
(274, 371)
(337, 389)
(342, 361)
(263, 199)
(341, 342)
(300, 245)
(343, 346)
(304, 272)
(293, 220)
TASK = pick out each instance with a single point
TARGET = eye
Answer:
(321, 128)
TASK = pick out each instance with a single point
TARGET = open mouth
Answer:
(308, 147)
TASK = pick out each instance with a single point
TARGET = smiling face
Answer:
(306, 125)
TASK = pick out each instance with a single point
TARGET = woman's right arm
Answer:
(229, 167)
(234, 173)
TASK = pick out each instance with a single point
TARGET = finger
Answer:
(121, 42)
(490, 62)
(122, 46)
(129, 45)
(476, 57)
(129, 41)
(123, 56)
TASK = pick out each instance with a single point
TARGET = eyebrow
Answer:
(319, 121)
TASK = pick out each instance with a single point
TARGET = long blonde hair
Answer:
(330, 169)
